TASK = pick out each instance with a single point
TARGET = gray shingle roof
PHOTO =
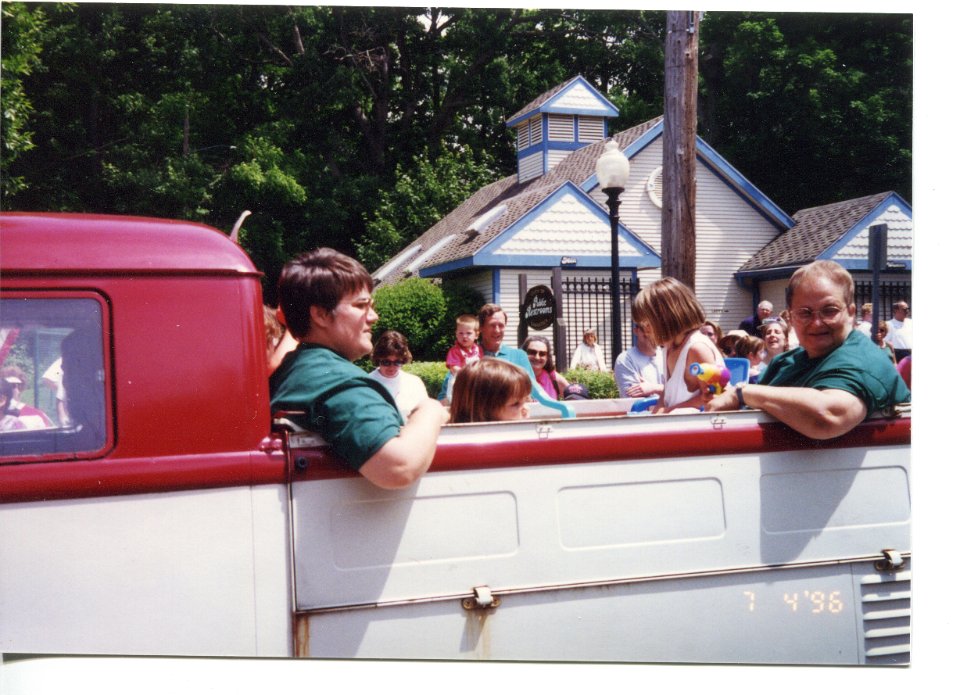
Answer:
(519, 198)
(815, 230)
(542, 99)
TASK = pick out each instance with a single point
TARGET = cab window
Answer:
(53, 390)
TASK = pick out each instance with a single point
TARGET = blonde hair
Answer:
(670, 307)
(831, 270)
(468, 320)
(748, 345)
(483, 388)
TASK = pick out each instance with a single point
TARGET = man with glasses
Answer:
(837, 376)
(326, 301)
(900, 330)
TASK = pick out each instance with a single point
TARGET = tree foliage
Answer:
(357, 127)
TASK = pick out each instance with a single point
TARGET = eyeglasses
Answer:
(392, 363)
(827, 314)
(537, 353)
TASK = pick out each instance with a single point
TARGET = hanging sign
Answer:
(539, 308)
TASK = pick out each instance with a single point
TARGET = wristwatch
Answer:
(740, 397)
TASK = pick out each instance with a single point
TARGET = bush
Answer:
(432, 374)
(600, 384)
(425, 313)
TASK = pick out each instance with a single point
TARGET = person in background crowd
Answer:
(728, 343)
(774, 340)
(751, 348)
(588, 354)
(865, 325)
(792, 341)
(671, 316)
(490, 390)
(390, 353)
(327, 306)
(279, 340)
(540, 353)
(712, 330)
(752, 324)
(639, 370)
(883, 343)
(465, 349)
(837, 379)
(901, 330)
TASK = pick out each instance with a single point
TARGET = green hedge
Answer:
(600, 385)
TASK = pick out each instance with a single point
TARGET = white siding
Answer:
(536, 130)
(530, 167)
(591, 129)
(729, 233)
(560, 127)
(554, 157)
(578, 97)
(523, 135)
(899, 237)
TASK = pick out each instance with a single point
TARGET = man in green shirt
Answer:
(327, 304)
(836, 377)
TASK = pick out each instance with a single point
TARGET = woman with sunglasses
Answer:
(540, 352)
(390, 354)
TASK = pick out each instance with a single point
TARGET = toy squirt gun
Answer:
(716, 376)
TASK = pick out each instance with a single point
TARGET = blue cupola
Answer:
(558, 122)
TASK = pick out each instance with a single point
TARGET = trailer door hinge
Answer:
(482, 598)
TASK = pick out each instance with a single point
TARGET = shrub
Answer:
(600, 384)
(425, 313)
(432, 374)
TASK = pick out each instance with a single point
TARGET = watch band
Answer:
(740, 397)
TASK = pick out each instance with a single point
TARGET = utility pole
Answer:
(678, 238)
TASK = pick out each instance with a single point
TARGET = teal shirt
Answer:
(507, 354)
(352, 412)
(857, 366)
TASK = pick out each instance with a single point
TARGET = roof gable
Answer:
(838, 231)
(575, 96)
(562, 223)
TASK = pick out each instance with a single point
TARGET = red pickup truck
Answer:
(163, 512)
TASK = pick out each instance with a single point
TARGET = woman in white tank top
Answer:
(670, 316)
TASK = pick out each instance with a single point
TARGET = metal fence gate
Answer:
(890, 292)
(586, 304)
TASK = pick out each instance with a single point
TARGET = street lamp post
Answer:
(613, 170)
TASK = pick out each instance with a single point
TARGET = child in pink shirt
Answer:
(466, 350)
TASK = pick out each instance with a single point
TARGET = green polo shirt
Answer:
(352, 412)
(856, 366)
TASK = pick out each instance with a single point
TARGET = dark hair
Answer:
(483, 388)
(728, 344)
(748, 345)
(488, 310)
(322, 278)
(391, 343)
(6, 390)
(549, 365)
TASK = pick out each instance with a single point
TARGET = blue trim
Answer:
(865, 222)
(863, 265)
(495, 286)
(640, 143)
(627, 262)
(608, 110)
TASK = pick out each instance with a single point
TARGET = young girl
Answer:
(671, 316)
(588, 354)
(490, 389)
(751, 347)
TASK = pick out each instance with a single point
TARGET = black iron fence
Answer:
(890, 291)
(586, 303)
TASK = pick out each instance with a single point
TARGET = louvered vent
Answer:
(560, 128)
(885, 601)
(591, 129)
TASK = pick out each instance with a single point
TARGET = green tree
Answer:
(21, 48)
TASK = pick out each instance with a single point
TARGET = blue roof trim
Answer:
(532, 149)
(865, 223)
(608, 110)
(627, 262)
(495, 286)
(855, 265)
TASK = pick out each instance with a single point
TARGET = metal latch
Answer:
(482, 598)
(718, 421)
(543, 431)
(892, 560)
